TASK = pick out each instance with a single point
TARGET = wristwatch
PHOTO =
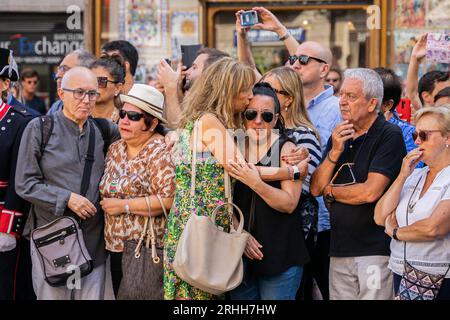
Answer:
(296, 175)
(394, 234)
(284, 37)
(329, 198)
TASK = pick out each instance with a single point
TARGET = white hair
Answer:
(76, 71)
(372, 83)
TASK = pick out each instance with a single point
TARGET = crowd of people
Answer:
(341, 199)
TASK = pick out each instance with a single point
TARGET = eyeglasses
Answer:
(132, 115)
(103, 82)
(80, 94)
(349, 165)
(303, 59)
(31, 81)
(332, 80)
(423, 134)
(250, 115)
(284, 93)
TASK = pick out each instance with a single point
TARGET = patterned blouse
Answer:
(150, 172)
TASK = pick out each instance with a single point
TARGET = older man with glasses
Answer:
(362, 158)
(49, 177)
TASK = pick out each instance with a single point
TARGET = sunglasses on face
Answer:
(423, 135)
(303, 59)
(282, 92)
(132, 115)
(32, 82)
(332, 80)
(250, 115)
(103, 82)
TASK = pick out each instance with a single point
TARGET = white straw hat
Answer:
(146, 98)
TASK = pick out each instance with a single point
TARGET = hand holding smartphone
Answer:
(249, 18)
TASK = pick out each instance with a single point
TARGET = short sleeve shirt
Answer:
(151, 172)
(429, 256)
(353, 230)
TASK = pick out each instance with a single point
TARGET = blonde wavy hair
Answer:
(214, 92)
(291, 83)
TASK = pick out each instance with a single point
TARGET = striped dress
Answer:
(305, 137)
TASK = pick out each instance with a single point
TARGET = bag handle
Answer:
(162, 205)
(152, 232)
(241, 216)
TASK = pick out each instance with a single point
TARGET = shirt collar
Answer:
(376, 126)
(328, 92)
(70, 123)
(10, 98)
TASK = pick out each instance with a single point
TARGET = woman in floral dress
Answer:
(217, 100)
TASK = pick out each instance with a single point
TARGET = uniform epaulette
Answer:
(21, 110)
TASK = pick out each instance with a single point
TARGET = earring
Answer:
(446, 145)
(286, 109)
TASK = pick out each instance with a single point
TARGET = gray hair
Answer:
(85, 58)
(372, 83)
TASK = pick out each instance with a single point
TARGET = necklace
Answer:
(412, 205)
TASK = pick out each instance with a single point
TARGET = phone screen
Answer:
(189, 53)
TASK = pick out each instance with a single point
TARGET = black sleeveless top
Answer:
(279, 233)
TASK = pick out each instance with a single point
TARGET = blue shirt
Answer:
(323, 110)
(407, 130)
(56, 106)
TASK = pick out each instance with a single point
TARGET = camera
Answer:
(249, 18)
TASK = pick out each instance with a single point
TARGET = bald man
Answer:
(50, 180)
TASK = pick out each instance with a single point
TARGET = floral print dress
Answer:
(209, 193)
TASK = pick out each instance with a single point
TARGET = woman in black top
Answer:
(276, 250)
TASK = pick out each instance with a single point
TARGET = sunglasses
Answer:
(284, 93)
(303, 59)
(103, 82)
(423, 135)
(132, 115)
(344, 166)
(32, 81)
(332, 80)
(252, 114)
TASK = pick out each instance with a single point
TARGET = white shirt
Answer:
(429, 256)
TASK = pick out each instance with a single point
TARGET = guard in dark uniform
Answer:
(13, 209)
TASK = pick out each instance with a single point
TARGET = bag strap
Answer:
(46, 123)
(89, 162)
(103, 126)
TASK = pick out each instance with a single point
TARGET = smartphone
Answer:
(189, 53)
(168, 61)
(404, 109)
(249, 18)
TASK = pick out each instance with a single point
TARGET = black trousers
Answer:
(116, 270)
(318, 268)
(15, 273)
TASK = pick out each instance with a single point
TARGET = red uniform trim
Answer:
(4, 108)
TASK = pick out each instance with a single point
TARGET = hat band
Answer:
(153, 107)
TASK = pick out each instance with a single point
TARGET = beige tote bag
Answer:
(207, 257)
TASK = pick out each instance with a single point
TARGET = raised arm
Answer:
(270, 22)
(412, 79)
(216, 138)
(170, 80)
(244, 50)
